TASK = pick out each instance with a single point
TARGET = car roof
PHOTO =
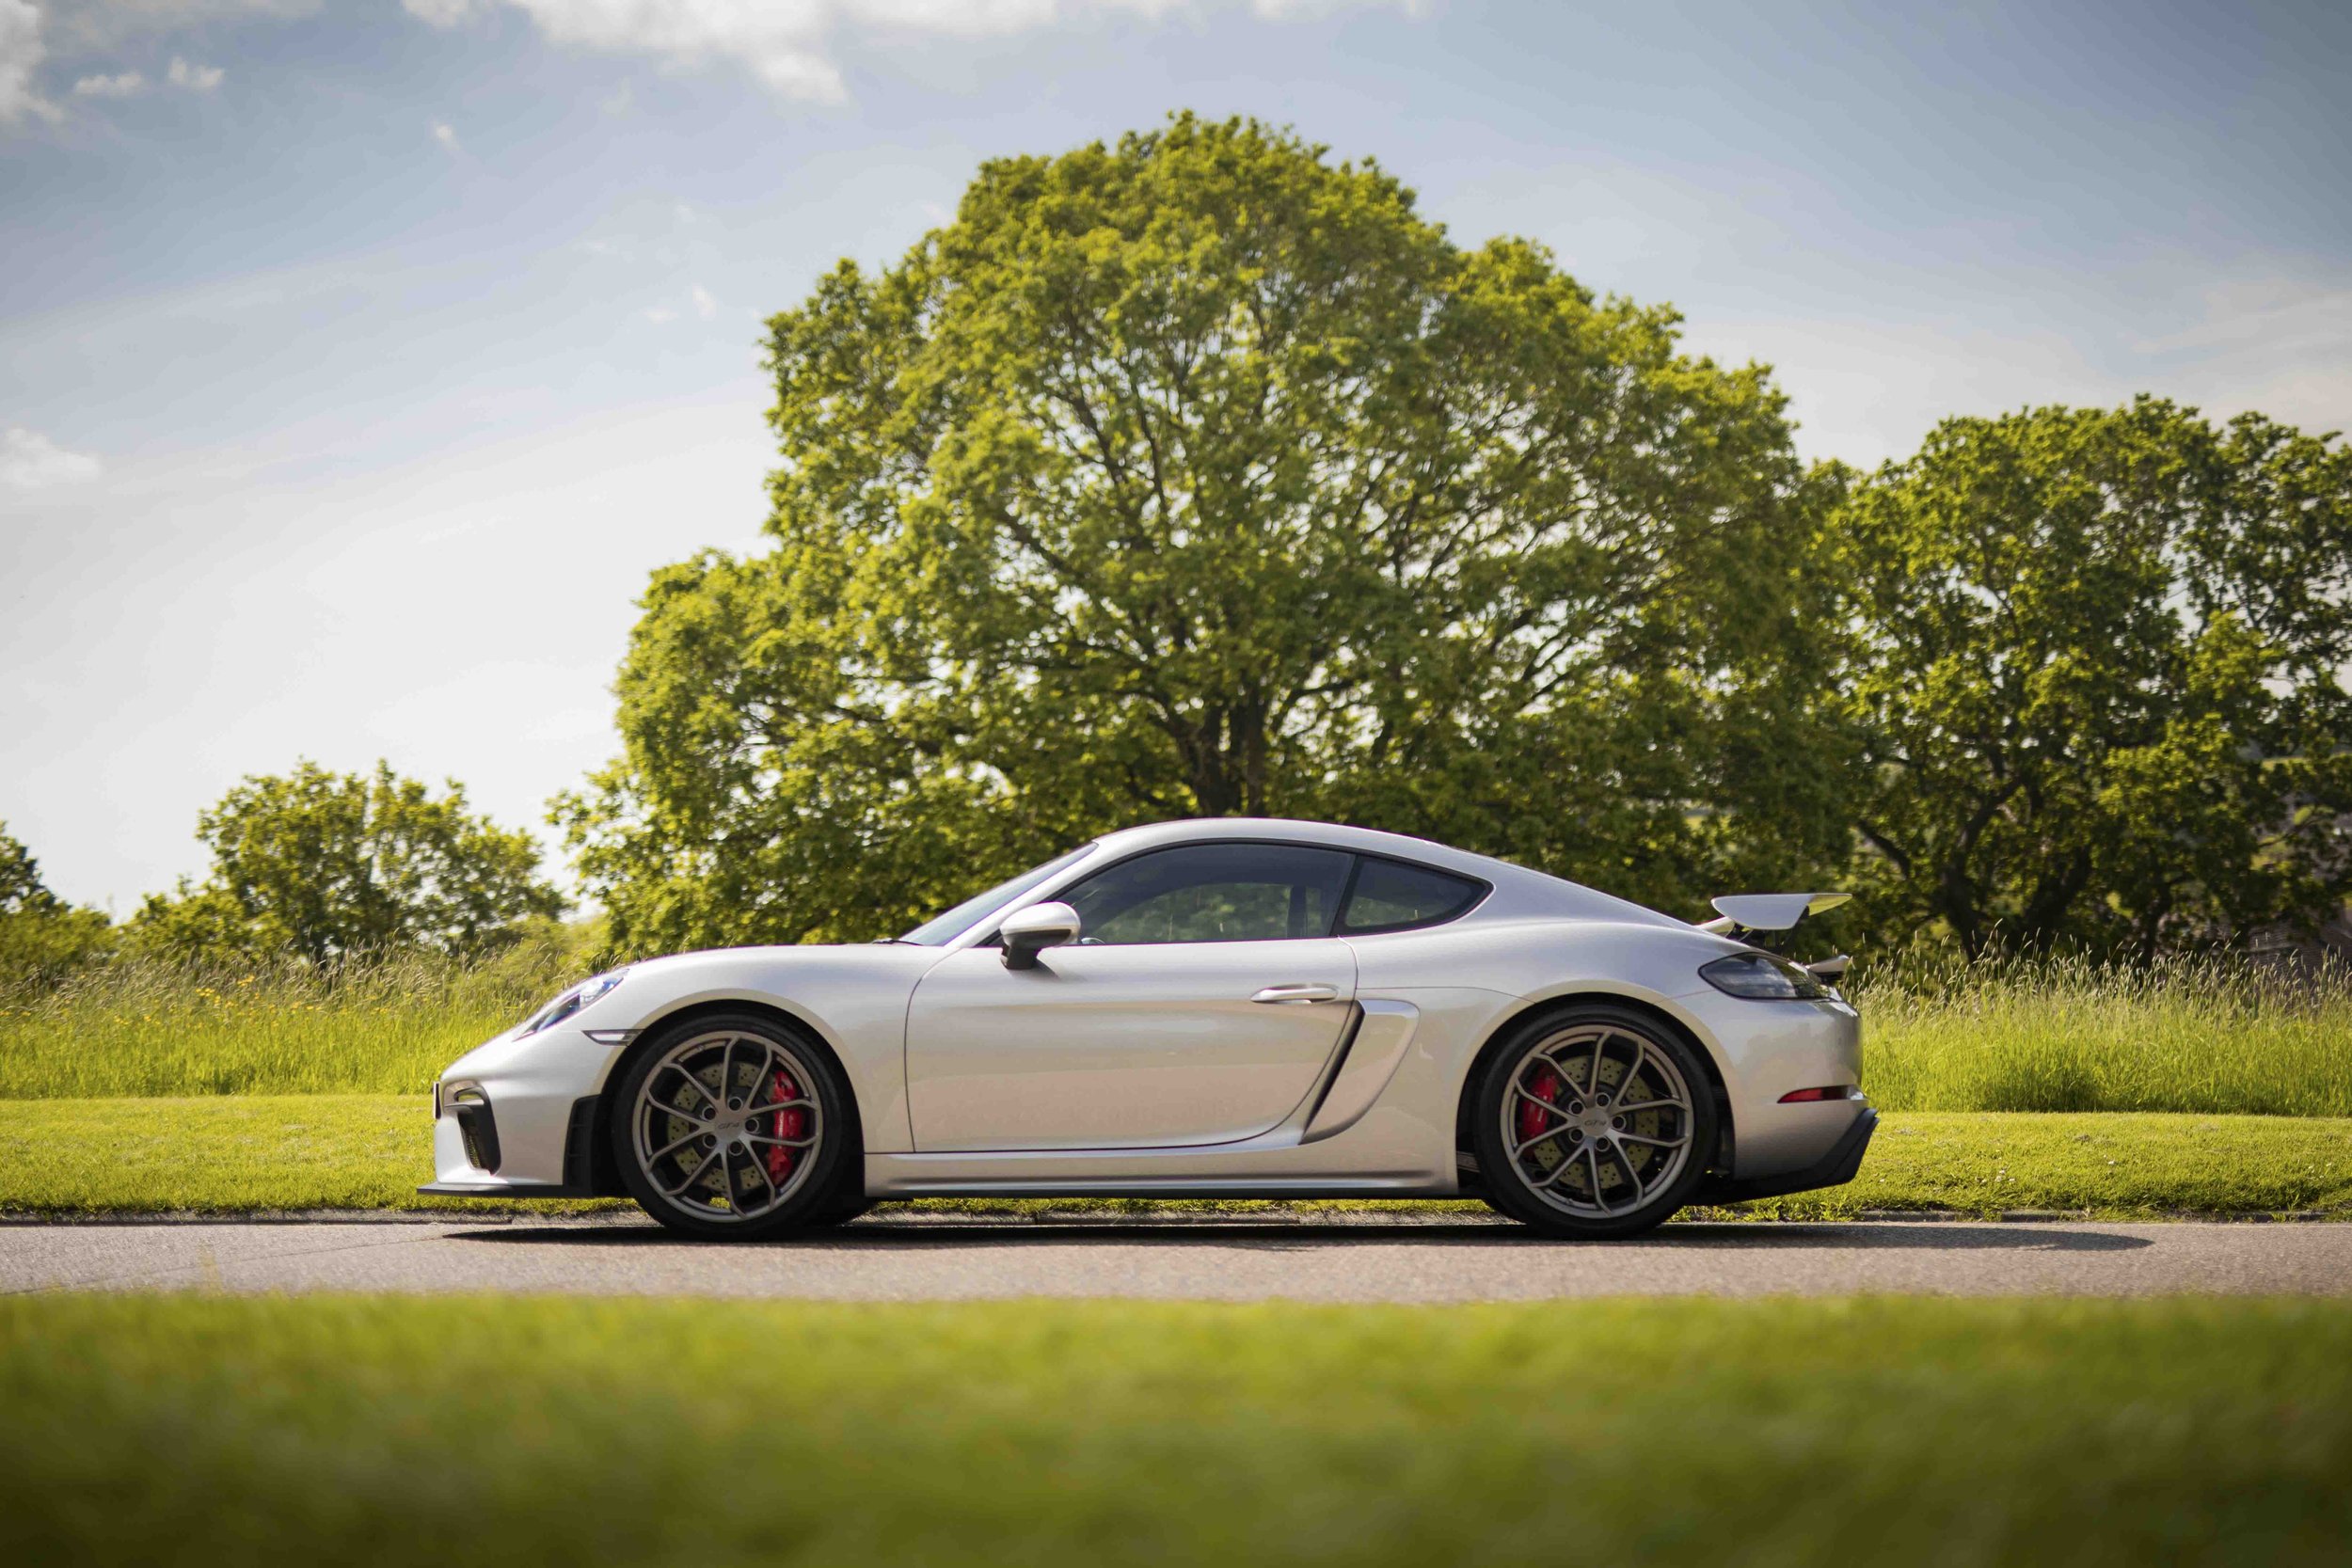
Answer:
(1520, 892)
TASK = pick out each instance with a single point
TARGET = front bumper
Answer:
(585, 1166)
(527, 1126)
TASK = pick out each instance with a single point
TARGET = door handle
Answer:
(1298, 993)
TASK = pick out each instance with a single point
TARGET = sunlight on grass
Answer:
(240, 1153)
(2183, 1035)
(389, 1026)
(2205, 1035)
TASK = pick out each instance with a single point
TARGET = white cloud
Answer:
(31, 461)
(20, 54)
(705, 306)
(130, 83)
(787, 44)
(196, 78)
(661, 314)
(447, 135)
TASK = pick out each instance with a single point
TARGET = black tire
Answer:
(1568, 1172)
(814, 1190)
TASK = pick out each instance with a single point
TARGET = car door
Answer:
(1200, 1004)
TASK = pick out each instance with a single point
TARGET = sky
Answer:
(359, 361)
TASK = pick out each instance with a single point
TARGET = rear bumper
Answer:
(1834, 1169)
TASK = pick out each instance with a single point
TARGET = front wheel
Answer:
(733, 1128)
(1593, 1122)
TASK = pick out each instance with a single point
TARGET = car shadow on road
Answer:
(885, 1234)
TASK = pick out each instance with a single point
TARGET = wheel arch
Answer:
(804, 1029)
(1530, 1011)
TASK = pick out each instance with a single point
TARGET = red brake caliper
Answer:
(1533, 1118)
(789, 1124)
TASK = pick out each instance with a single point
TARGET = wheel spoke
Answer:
(1536, 1099)
(809, 1142)
(727, 1074)
(1652, 1106)
(1632, 1177)
(759, 1075)
(1654, 1143)
(668, 1109)
(701, 1090)
(776, 1193)
(1552, 1178)
(697, 1175)
(1633, 1068)
(735, 1187)
(1544, 1137)
(668, 1150)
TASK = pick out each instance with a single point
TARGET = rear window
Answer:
(1392, 895)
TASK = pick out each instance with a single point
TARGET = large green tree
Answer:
(319, 865)
(1202, 475)
(42, 936)
(2102, 679)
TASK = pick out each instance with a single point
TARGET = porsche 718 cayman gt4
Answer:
(1231, 1008)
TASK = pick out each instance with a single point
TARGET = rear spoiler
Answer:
(1742, 914)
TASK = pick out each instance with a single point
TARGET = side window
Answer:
(1390, 895)
(1214, 893)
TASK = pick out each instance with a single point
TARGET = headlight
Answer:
(1762, 977)
(571, 1002)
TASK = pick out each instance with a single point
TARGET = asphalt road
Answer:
(1388, 1259)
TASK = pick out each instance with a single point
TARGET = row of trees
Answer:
(309, 866)
(1202, 475)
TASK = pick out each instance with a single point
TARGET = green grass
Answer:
(362, 1431)
(240, 1153)
(2193, 1036)
(143, 1028)
(2200, 1036)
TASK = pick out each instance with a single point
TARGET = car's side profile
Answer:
(1226, 1008)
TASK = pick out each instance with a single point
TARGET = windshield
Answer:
(944, 929)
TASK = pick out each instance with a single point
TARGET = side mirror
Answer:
(1028, 932)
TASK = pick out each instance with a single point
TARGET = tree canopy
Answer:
(322, 864)
(2099, 683)
(1198, 475)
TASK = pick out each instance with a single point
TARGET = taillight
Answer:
(1828, 1091)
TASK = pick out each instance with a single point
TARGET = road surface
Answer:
(1390, 1259)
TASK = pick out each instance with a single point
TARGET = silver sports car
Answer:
(1231, 1008)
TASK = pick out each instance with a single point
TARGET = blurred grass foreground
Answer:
(483, 1429)
(2213, 1036)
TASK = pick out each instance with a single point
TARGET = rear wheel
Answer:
(1593, 1122)
(734, 1128)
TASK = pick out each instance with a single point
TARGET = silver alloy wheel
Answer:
(1597, 1120)
(727, 1126)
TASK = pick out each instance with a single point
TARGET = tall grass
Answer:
(2198, 1034)
(2206, 1035)
(385, 1025)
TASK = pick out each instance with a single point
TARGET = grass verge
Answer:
(2194, 1034)
(235, 1153)
(375, 1430)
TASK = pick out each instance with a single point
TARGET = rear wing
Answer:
(1742, 914)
